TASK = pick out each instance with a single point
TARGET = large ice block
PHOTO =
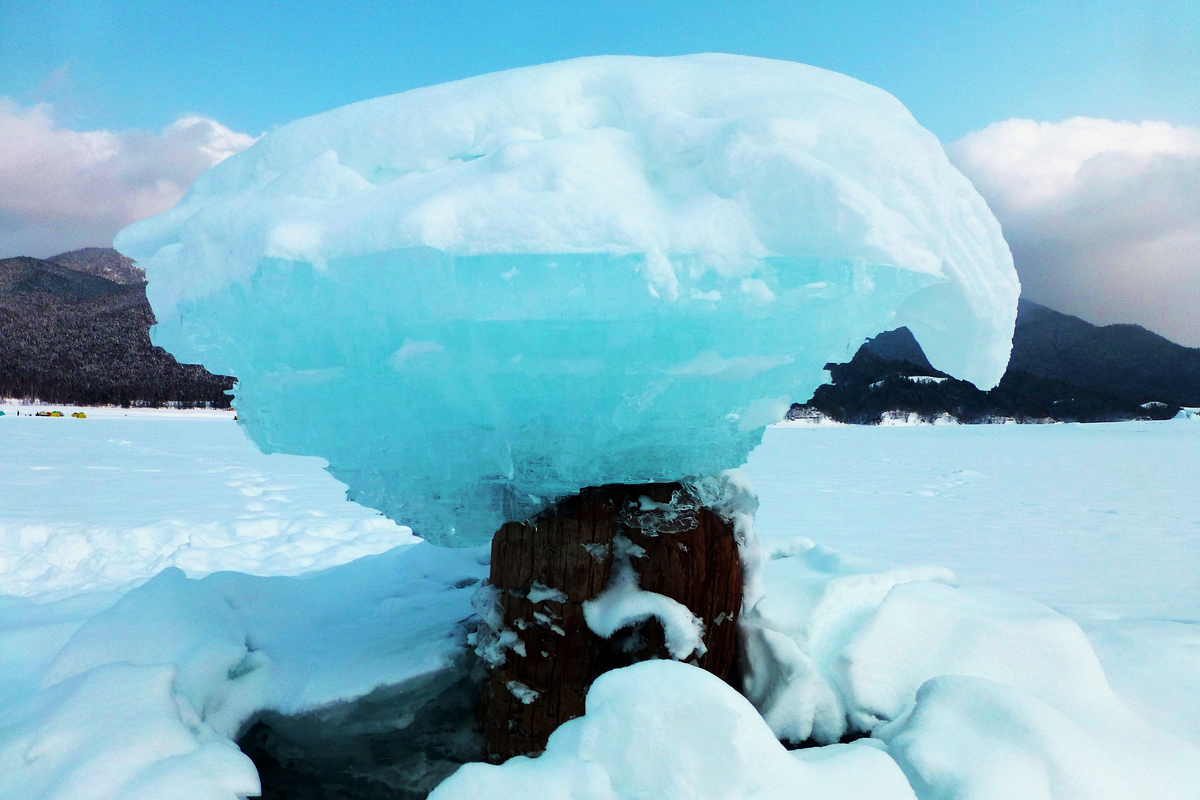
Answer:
(473, 297)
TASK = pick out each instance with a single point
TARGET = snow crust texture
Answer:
(473, 297)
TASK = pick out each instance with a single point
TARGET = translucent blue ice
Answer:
(475, 297)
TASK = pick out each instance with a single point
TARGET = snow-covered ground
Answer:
(1100, 522)
(102, 502)
(121, 674)
(120, 680)
(1094, 520)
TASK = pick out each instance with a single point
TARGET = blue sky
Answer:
(253, 65)
(1077, 120)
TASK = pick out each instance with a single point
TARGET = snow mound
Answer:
(812, 604)
(977, 694)
(144, 698)
(970, 695)
(971, 738)
(118, 732)
(473, 297)
(662, 730)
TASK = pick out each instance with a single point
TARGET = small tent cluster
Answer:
(76, 415)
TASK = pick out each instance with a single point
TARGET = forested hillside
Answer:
(1062, 369)
(67, 336)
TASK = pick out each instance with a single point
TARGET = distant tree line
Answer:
(176, 394)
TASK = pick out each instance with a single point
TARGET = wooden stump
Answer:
(547, 568)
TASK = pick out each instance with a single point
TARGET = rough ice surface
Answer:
(475, 296)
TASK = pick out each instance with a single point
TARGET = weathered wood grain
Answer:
(692, 558)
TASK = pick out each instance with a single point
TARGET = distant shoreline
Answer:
(11, 405)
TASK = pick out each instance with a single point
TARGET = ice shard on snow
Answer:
(473, 297)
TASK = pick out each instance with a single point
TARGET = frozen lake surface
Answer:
(103, 502)
(1093, 520)
(1100, 522)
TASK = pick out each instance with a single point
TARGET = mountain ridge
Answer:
(1062, 369)
(68, 334)
(102, 262)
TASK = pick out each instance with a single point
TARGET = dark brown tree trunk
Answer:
(547, 568)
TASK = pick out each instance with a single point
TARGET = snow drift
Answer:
(473, 297)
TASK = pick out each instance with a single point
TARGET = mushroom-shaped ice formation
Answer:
(473, 297)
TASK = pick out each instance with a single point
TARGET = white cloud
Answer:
(1103, 217)
(61, 189)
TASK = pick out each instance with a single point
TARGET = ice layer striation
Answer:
(473, 297)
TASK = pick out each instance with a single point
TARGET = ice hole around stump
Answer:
(400, 742)
(395, 743)
(645, 560)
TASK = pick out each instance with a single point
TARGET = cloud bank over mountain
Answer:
(61, 189)
(1103, 217)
